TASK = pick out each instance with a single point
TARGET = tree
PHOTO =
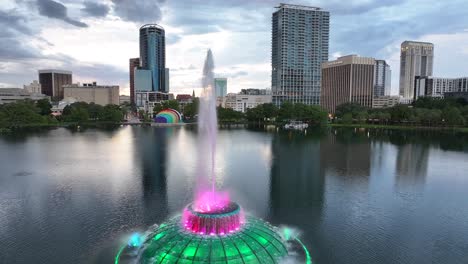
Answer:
(316, 115)
(111, 113)
(286, 111)
(452, 116)
(78, 114)
(400, 113)
(353, 108)
(191, 109)
(158, 108)
(256, 114)
(347, 118)
(3, 119)
(173, 104)
(20, 113)
(228, 114)
(94, 110)
(270, 110)
(44, 107)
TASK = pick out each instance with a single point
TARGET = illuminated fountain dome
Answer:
(168, 116)
(220, 236)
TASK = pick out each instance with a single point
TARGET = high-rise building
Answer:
(52, 82)
(134, 64)
(349, 79)
(153, 55)
(383, 79)
(220, 87)
(300, 36)
(416, 59)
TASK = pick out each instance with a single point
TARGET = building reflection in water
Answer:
(297, 185)
(346, 152)
(411, 164)
(152, 154)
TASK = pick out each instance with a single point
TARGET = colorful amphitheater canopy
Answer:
(168, 116)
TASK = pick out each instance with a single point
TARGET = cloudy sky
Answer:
(95, 38)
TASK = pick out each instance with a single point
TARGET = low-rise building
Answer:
(385, 101)
(93, 93)
(11, 95)
(243, 101)
(33, 88)
(124, 99)
(146, 100)
(57, 108)
(438, 87)
(457, 95)
(183, 100)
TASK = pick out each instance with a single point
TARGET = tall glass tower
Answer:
(300, 37)
(153, 55)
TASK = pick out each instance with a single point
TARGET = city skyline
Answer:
(239, 33)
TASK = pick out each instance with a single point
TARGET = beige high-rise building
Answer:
(93, 93)
(349, 79)
(416, 59)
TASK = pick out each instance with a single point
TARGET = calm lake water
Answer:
(357, 196)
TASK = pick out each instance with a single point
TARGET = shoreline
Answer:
(6, 130)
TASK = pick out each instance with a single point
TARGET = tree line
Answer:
(425, 111)
(29, 113)
(262, 113)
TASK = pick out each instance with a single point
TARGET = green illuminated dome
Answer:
(255, 242)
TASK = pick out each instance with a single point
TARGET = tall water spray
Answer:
(207, 198)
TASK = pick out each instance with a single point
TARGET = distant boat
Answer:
(296, 125)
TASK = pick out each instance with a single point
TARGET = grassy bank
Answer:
(400, 127)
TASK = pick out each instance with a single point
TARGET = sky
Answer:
(96, 38)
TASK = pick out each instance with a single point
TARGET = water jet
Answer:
(213, 228)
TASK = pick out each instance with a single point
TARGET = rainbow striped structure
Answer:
(168, 116)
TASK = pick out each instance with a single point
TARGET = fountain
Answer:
(212, 229)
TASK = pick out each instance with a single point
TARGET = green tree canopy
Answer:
(111, 113)
(44, 107)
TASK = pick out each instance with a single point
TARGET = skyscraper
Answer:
(348, 79)
(383, 77)
(153, 55)
(134, 63)
(220, 87)
(52, 82)
(300, 36)
(416, 59)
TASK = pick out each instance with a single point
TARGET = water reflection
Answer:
(346, 152)
(411, 164)
(67, 197)
(151, 153)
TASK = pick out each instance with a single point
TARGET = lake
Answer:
(356, 195)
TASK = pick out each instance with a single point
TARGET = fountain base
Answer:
(253, 241)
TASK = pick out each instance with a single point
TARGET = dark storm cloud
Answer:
(140, 11)
(94, 9)
(57, 10)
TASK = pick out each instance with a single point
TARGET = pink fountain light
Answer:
(209, 201)
(212, 212)
(221, 221)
